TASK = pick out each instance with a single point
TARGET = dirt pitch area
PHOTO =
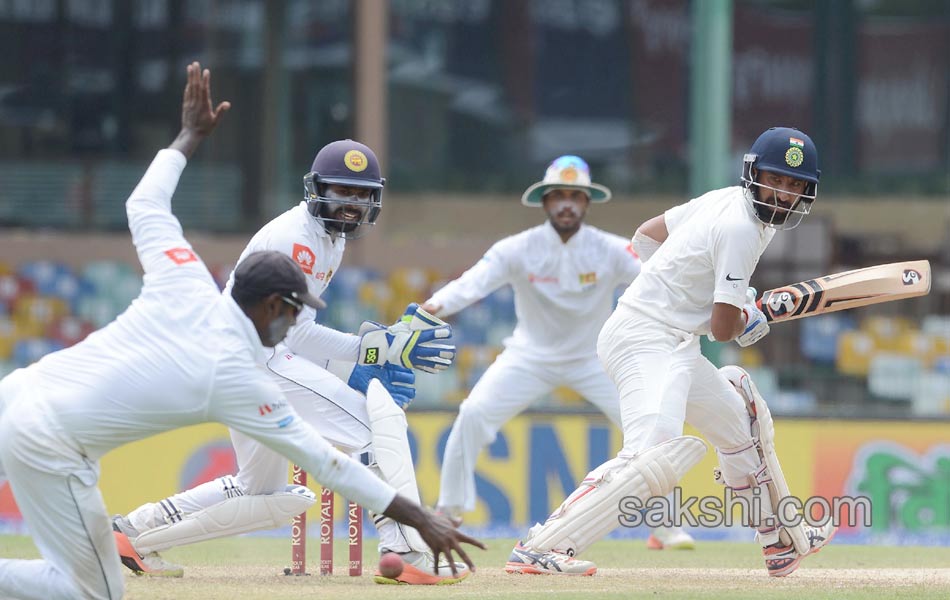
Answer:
(492, 582)
(251, 567)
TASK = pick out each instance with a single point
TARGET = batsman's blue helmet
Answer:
(785, 151)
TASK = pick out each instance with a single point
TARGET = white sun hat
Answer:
(566, 172)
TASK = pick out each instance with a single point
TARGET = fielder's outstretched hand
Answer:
(436, 530)
(199, 116)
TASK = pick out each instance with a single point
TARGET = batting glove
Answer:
(417, 341)
(756, 325)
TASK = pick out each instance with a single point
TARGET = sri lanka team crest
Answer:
(355, 161)
(588, 278)
(568, 174)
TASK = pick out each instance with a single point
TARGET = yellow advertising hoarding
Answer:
(902, 467)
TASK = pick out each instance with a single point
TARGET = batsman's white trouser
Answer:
(321, 399)
(55, 489)
(509, 386)
(665, 381)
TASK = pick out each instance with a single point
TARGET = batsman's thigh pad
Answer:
(763, 435)
(593, 510)
(233, 516)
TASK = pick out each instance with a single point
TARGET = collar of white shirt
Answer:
(554, 236)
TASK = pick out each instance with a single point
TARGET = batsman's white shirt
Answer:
(182, 354)
(563, 293)
(650, 345)
(714, 244)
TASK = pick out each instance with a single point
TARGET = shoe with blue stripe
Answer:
(527, 561)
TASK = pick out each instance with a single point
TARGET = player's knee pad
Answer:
(593, 510)
(239, 514)
(767, 475)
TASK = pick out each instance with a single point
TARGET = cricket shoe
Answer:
(150, 564)
(526, 561)
(419, 569)
(670, 538)
(784, 560)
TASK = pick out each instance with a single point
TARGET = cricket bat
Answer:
(851, 289)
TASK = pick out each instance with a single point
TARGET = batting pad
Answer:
(763, 433)
(240, 514)
(593, 510)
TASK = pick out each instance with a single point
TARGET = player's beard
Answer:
(768, 208)
(565, 216)
(277, 330)
(333, 215)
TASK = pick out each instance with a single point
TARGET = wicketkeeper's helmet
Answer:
(347, 163)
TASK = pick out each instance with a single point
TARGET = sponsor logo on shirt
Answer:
(539, 279)
(264, 409)
(304, 257)
(588, 278)
(181, 256)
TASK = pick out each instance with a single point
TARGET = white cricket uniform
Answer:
(563, 293)
(298, 364)
(298, 367)
(182, 354)
(650, 345)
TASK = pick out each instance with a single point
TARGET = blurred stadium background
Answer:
(466, 102)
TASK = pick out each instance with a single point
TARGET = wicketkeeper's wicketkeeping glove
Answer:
(398, 381)
(418, 340)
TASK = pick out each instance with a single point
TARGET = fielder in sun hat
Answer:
(566, 172)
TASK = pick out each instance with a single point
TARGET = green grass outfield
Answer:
(251, 567)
